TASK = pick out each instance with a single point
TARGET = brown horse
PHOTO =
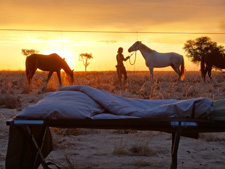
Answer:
(209, 60)
(51, 63)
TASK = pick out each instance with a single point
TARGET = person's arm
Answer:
(125, 59)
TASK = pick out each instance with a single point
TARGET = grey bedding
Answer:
(81, 102)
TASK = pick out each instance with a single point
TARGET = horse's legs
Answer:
(204, 74)
(46, 82)
(209, 68)
(177, 70)
(151, 73)
(59, 77)
(30, 75)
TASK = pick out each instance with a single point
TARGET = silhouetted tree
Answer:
(28, 52)
(197, 48)
(85, 57)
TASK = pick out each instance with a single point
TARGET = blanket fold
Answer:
(80, 102)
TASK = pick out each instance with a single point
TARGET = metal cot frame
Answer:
(177, 127)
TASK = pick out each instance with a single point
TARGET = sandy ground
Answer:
(120, 149)
(97, 149)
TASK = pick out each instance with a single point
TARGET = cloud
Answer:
(109, 41)
(126, 15)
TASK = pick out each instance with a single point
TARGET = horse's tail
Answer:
(203, 68)
(182, 69)
(27, 69)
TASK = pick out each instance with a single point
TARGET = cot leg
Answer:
(174, 148)
(39, 148)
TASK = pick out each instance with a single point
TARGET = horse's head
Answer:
(70, 75)
(134, 47)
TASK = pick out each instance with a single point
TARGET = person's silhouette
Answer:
(121, 70)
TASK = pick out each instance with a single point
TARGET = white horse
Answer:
(156, 59)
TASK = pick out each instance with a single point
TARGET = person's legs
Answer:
(124, 72)
(119, 74)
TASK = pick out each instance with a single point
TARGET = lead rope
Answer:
(134, 58)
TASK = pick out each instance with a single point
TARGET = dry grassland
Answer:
(15, 92)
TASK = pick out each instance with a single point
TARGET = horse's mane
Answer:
(147, 48)
(54, 54)
(63, 63)
(65, 66)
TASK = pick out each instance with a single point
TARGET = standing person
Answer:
(121, 70)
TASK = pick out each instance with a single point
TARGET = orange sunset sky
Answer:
(68, 27)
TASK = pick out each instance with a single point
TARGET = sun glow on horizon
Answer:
(103, 48)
